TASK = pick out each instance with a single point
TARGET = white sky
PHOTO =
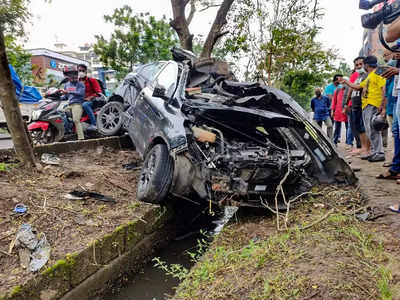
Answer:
(75, 22)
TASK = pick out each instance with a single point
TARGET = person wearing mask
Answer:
(330, 89)
(337, 113)
(356, 108)
(74, 92)
(93, 90)
(373, 102)
(353, 107)
(320, 105)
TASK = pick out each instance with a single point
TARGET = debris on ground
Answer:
(132, 166)
(50, 159)
(69, 226)
(20, 209)
(33, 252)
(84, 195)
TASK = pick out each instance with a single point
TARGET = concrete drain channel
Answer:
(153, 282)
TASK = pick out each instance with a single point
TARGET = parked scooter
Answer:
(52, 120)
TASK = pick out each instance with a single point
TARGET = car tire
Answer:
(109, 118)
(156, 175)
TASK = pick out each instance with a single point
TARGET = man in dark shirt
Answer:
(320, 105)
(75, 92)
(93, 90)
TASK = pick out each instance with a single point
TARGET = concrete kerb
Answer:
(5, 136)
(115, 142)
(84, 274)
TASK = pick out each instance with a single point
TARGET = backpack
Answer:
(101, 84)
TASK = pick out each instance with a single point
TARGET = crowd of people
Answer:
(367, 104)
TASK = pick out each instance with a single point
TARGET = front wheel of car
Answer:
(156, 175)
(109, 118)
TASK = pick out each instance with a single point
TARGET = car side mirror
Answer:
(160, 92)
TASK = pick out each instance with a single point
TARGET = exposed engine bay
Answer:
(234, 171)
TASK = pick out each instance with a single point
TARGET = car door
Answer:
(140, 111)
(165, 118)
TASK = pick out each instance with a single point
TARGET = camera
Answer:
(387, 14)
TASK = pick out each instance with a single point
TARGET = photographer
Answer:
(373, 102)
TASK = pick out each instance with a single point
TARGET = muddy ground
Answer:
(69, 225)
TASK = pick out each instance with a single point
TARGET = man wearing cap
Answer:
(373, 102)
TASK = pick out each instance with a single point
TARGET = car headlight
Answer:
(36, 114)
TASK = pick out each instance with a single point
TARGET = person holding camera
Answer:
(373, 102)
(392, 74)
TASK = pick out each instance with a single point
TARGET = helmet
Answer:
(70, 70)
(379, 123)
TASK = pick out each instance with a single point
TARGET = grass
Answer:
(337, 258)
(4, 167)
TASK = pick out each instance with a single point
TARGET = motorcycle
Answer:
(52, 121)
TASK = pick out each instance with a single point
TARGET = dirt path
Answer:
(381, 193)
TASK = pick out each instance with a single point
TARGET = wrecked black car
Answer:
(203, 135)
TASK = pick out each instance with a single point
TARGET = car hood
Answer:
(239, 116)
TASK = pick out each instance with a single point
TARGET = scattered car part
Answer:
(84, 195)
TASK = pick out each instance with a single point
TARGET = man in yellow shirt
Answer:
(373, 102)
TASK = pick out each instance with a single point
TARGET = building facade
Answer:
(48, 65)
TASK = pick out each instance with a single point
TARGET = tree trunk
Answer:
(215, 32)
(180, 24)
(12, 112)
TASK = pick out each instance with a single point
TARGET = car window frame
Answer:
(169, 63)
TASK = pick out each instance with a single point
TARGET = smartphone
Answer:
(381, 69)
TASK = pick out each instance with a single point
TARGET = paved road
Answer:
(5, 142)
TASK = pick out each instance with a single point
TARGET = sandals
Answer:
(389, 175)
(395, 209)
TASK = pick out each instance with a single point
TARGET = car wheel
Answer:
(109, 118)
(156, 175)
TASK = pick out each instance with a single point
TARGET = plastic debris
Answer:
(33, 253)
(50, 159)
(41, 255)
(26, 238)
(20, 208)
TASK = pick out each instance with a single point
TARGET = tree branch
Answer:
(192, 11)
(209, 6)
(180, 24)
(219, 23)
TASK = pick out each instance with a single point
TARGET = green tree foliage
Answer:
(19, 59)
(13, 16)
(276, 42)
(136, 39)
(300, 85)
